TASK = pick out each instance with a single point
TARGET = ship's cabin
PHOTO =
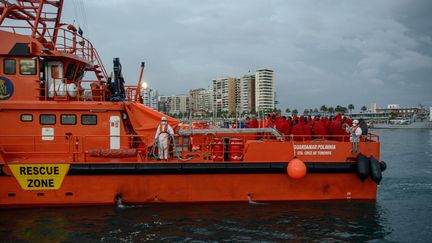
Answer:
(45, 78)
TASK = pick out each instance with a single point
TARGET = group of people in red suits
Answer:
(305, 127)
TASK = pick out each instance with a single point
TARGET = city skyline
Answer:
(323, 53)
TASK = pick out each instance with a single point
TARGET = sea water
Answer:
(402, 212)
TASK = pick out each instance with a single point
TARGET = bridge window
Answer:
(47, 119)
(26, 117)
(28, 66)
(70, 71)
(9, 66)
(88, 119)
(68, 119)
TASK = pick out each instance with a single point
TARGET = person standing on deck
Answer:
(254, 123)
(362, 124)
(163, 134)
(355, 133)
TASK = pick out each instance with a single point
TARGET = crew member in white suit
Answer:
(163, 133)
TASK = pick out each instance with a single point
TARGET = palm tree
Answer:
(323, 108)
(331, 110)
(294, 112)
(363, 109)
(350, 107)
(287, 110)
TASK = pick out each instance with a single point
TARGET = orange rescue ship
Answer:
(69, 141)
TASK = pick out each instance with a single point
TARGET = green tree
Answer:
(331, 110)
(350, 107)
(315, 110)
(294, 112)
(363, 109)
(306, 112)
(341, 109)
(323, 108)
(287, 110)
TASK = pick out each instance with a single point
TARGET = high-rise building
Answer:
(200, 100)
(247, 93)
(226, 95)
(233, 95)
(264, 90)
(220, 95)
(150, 98)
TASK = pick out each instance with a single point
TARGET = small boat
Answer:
(67, 141)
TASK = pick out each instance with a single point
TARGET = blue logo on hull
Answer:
(6, 88)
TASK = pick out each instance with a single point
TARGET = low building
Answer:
(174, 104)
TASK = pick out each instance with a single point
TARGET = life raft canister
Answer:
(217, 149)
(296, 169)
(363, 168)
(235, 149)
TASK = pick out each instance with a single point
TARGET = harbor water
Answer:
(401, 213)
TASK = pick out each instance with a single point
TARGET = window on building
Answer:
(88, 119)
(68, 119)
(70, 71)
(9, 66)
(47, 119)
(28, 66)
(26, 117)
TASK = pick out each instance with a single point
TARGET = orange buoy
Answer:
(296, 169)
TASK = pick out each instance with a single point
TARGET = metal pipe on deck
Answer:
(232, 131)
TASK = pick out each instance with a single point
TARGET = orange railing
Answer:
(66, 41)
(209, 147)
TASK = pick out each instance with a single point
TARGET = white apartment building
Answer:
(264, 89)
(150, 98)
(247, 93)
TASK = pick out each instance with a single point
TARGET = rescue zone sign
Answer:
(39, 176)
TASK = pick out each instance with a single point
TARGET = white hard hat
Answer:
(163, 118)
(355, 122)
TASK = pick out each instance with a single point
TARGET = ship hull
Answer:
(192, 186)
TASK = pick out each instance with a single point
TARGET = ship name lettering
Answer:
(40, 183)
(44, 170)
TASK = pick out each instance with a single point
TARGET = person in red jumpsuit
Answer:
(318, 128)
(306, 129)
(297, 129)
(337, 128)
(254, 123)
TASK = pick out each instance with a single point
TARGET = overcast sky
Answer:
(322, 52)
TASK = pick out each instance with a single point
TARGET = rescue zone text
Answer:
(39, 176)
